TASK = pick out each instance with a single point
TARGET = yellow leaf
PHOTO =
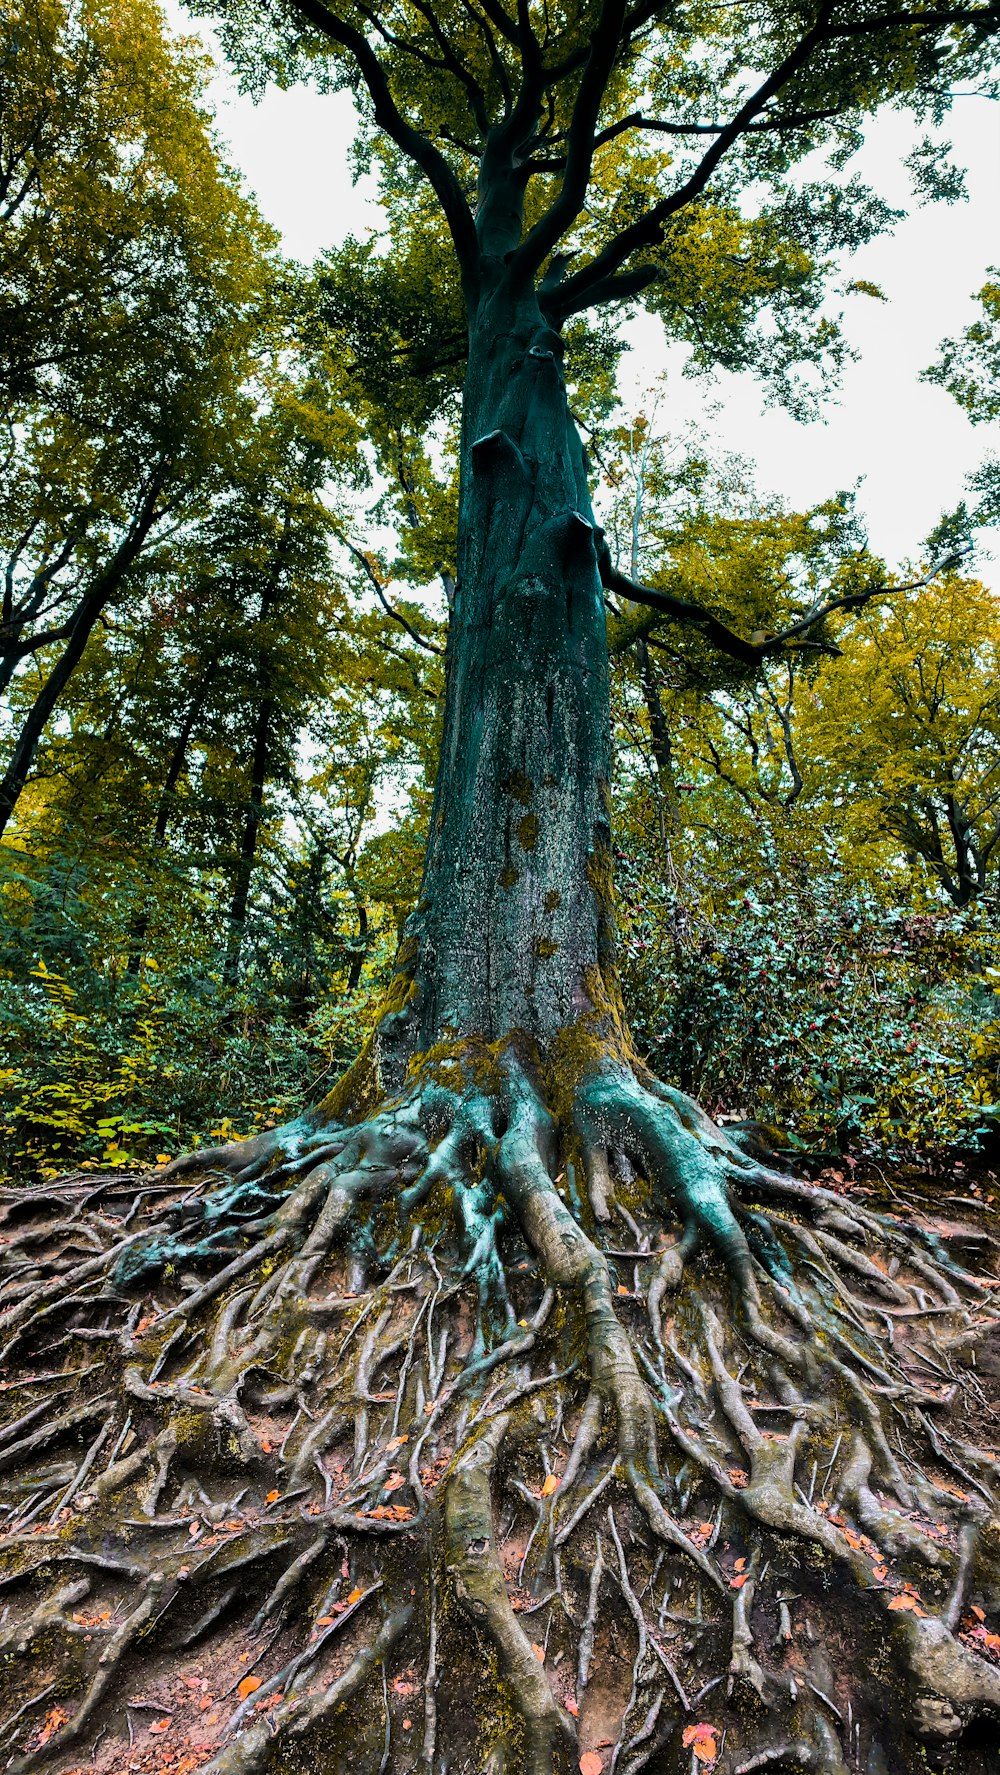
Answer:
(551, 1485)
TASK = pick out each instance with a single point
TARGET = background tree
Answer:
(136, 289)
(448, 1280)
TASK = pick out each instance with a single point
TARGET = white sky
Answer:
(908, 441)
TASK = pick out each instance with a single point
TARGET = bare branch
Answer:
(379, 590)
(759, 647)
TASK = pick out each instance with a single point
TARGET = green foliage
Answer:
(969, 366)
(811, 1002)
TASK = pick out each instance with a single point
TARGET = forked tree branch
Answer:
(648, 230)
(594, 282)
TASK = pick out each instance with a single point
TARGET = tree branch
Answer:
(756, 649)
(648, 230)
(388, 116)
(379, 590)
(550, 227)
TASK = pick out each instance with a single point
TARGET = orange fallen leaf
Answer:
(272, 1497)
(738, 1582)
(247, 1686)
(979, 1613)
(738, 1477)
(355, 1596)
(571, 1706)
(590, 1763)
(326, 1620)
(880, 1572)
(266, 1445)
(551, 1484)
(622, 1289)
(905, 1601)
(539, 1652)
(205, 1703)
(703, 1740)
(160, 1726)
(55, 1718)
(394, 1481)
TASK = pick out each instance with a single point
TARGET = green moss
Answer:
(527, 832)
(552, 899)
(520, 787)
(509, 876)
(457, 1064)
(544, 947)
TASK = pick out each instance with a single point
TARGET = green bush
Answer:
(809, 1003)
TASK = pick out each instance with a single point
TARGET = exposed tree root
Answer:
(489, 1430)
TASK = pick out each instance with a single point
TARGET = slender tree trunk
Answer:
(252, 822)
(165, 806)
(88, 611)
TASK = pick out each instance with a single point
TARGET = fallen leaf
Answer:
(880, 1572)
(590, 1763)
(53, 1720)
(622, 1289)
(740, 1565)
(355, 1596)
(905, 1601)
(396, 1442)
(326, 1620)
(160, 1726)
(394, 1481)
(407, 1724)
(979, 1613)
(738, 1582)
(551, 1484)
(539, 1652)
(247, 1686)
(738, 1477)
(703, 1740)
(571, 1706)
(272, 1497)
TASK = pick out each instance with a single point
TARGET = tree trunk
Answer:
(86, 616)
(252, 822)
(165, 806)
(513, 926)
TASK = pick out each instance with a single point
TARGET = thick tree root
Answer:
(474, 1436)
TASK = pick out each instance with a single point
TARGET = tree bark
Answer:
(513, 928)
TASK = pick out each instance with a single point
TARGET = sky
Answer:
(906, 441)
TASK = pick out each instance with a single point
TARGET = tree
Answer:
(422, 1297)
(137, 289)
(922, 768)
